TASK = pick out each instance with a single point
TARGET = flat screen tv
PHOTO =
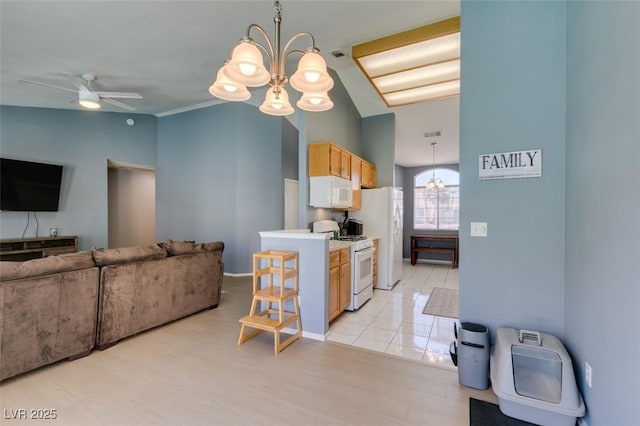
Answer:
(28, 186)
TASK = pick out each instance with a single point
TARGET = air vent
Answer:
(433, 134)
(337, 53)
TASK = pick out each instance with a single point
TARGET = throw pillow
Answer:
(114, 256)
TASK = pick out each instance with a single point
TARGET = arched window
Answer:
(437, 208)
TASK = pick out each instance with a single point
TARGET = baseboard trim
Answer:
(434, 261)
(307, 334)
(245, 274)
(313, 336)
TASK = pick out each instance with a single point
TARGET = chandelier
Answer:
(433, 183)
(246, 69)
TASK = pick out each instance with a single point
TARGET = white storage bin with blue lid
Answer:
(532, 375)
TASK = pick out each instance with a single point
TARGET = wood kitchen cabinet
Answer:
(368, 175)
(339, 281)
(327, 159)
(345, 164)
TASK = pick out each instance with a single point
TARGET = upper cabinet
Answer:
(368, 175)
(327, 159)
(345, 164)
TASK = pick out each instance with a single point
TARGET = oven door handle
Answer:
(366, 251)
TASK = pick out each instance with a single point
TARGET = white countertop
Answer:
(308, 235)
(294, 233)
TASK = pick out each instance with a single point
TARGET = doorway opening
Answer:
(131, 204)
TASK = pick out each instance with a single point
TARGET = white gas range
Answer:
(362, 249)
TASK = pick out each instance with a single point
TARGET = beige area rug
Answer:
(443, 302)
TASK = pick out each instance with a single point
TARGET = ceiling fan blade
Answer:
(122, 95)
(118, 104)
(37, 83)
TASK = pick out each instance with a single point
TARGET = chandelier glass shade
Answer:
(433, 182)
(246, 69)
(276, 102)
(227, 89)
(311, 101)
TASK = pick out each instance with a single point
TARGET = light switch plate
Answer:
(478, 229)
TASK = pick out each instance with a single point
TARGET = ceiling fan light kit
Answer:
(88, 99)
(246, 69)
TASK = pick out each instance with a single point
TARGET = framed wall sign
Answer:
(510, 165)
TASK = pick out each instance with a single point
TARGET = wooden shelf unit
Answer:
(21, 249)
(273, 319)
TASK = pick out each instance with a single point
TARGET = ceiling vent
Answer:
(433, 134)
(337, 53)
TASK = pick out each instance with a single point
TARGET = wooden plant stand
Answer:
(272, 319)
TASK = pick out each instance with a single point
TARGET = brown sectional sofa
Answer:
(63, 306)
(144, 287)
(48, 311)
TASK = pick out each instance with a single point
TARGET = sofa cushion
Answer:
(213, 246)
(114, 256)
(176, 248)
(46, 266)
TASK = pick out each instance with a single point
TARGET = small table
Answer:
(426, 245)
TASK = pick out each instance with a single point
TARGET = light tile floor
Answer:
(393, 322)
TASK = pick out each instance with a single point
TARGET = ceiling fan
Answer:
(89, 98)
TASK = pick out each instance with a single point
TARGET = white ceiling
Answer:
(169, 51)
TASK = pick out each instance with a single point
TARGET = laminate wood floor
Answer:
(191, 372)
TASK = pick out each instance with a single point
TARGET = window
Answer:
(437, 208)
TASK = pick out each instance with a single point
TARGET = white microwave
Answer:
(330, 192)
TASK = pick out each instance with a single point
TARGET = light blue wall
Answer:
(378, 146)
(340, 125)
(513, 98)
(290, 151)
(603, 206)
(82, 141)
(220, 177)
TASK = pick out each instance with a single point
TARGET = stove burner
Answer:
(352, 237)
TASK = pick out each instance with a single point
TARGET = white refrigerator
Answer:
(381, 215)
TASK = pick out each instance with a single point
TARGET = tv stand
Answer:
(21, 249)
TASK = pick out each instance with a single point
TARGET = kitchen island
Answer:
(313, 277)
